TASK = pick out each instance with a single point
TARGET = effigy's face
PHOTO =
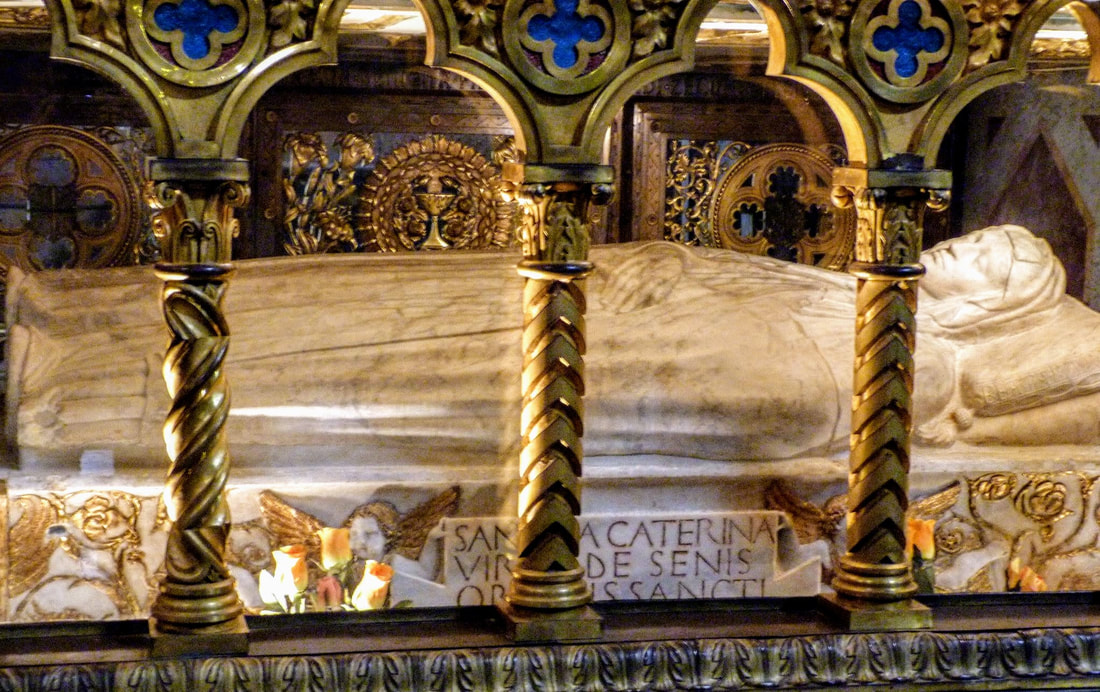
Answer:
(976, 263)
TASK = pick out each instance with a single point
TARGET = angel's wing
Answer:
(417, 524)
(933, 506)
(288, 525)
(810, 522)
(31, 543)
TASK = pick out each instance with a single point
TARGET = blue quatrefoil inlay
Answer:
(197, 19)
(565, 28)
(908, 39)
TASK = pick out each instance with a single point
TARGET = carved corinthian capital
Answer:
(198, 199)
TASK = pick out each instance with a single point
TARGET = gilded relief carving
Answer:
(998, 531)
(321, 195)
(101, 19)
(991, 25)
(828, 21)
(429, 194)
(477, 21)
(434, 193)
(654, 23)
(86, 547)
(770, 200)
(66, 200)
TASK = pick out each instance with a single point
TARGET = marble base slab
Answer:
(89, 545)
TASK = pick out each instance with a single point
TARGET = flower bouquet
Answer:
(340, 581)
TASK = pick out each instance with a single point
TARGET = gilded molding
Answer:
(1033, 658)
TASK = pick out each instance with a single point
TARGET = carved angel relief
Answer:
(378, 531)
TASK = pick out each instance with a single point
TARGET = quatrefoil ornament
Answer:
(566, 46)
(908, 51)
(197, 42)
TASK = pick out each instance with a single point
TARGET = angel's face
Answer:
(367, 539)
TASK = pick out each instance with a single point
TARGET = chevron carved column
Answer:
(548, 592)
(873, 579)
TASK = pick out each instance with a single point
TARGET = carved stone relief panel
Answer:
(983, 532)
(83, 555)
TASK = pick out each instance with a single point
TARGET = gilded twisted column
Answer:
(875, 569)
(197, 595)
(548, 591)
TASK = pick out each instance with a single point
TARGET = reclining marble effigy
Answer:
(410, 364)
(692, 352)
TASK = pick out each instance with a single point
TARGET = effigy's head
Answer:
(990, 276)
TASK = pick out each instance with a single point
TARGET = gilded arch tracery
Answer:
(895, 71)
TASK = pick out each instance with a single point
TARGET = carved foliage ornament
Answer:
(991, 25)
(434, 193)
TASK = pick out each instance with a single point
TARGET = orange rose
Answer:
(374, 587)
(335, 548)
(290, 566)
(922, 537)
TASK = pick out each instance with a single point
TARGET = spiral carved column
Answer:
(197, 595)
(873, 578)
(548, 594)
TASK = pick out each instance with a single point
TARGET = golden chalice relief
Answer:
(433, 193)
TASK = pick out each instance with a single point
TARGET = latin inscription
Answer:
(730, 555)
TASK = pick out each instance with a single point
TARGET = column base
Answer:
(224, 639)
(531, 625)
(859, 615)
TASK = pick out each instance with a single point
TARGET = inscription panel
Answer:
(659, 557)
